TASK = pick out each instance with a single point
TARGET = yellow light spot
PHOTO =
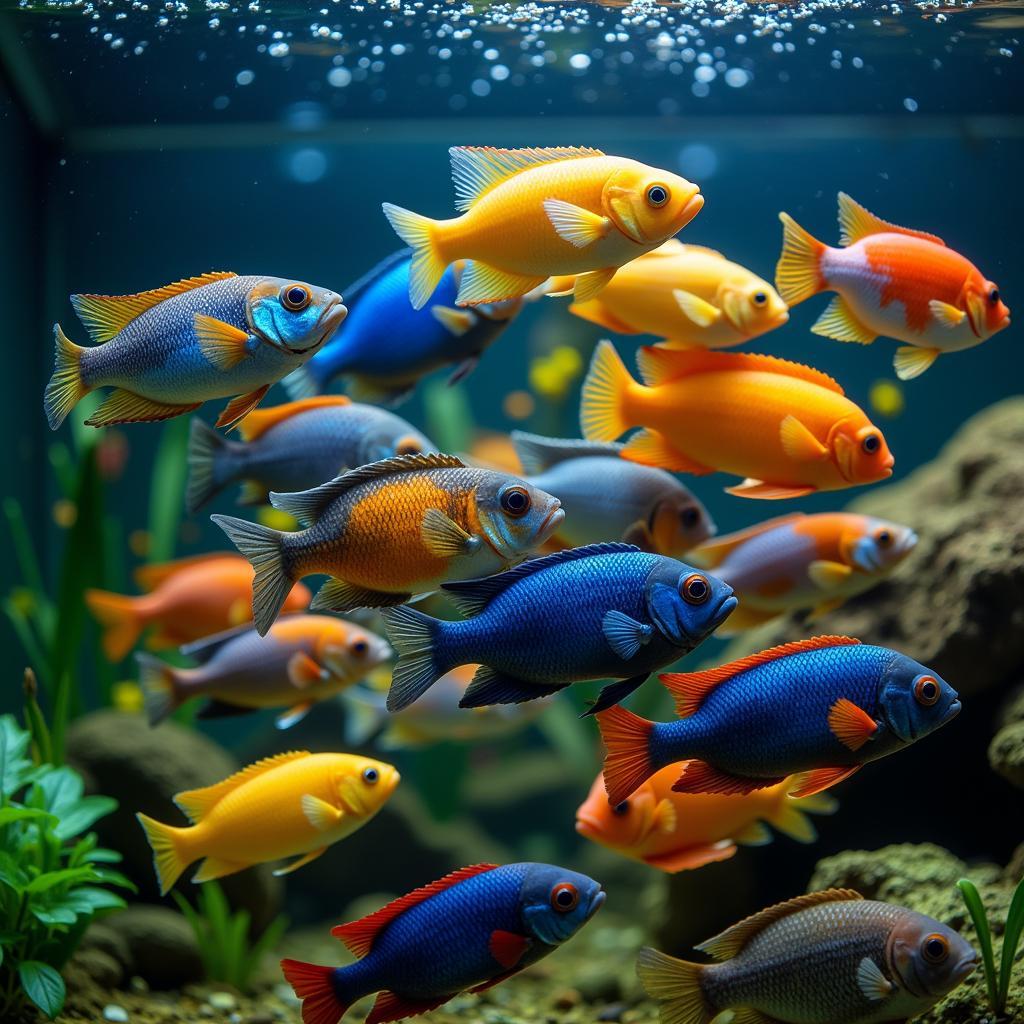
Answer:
(276, 519)
(567, 360)
(65, 512)
(380, 678)
(138, 541)
(547, 380)
(886, 397)
(127, 696)
(518, 405)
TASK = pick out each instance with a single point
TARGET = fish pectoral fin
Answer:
(341, 596)
(299, 862)
(216, 867)
(293, 715)
(751, 488)
(755, 833)
(799, 443)
(463, 370)
(946, 315)
(872, 982)
(589, 285)
(692, 857)
(665, 818)
(482, 282)
(809, 783)
(576, 225)
(839, 323)
(651, 448)
(639, 533)
(303, 671)
(492, 687)
(694, 308)
(444, 537)
(827, 575)
(851, 724)
(454, 321)
(624, 634)
(615, 692)
(223, 345)
(123, 406)
(390, 1006)
(701, 777)
(319, 813)
(240, 407)
(910, 362)
(508, 947)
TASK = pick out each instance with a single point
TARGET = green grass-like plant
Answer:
(998, 983)
(52, 876)
(228, 954)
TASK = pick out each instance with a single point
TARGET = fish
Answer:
(607, 498)
(302, 660)
(604, 611)
(467, 931)
(797, 562)
(435, 718)
(185, 600)
(391, 530)
(294, 447)
(844, 960)
(788, 429)
(531, 214)
(167, 351)
(890, 281)
(821, 707)
(676, 832)
(294, 804)
(386, 346)
(688, 295)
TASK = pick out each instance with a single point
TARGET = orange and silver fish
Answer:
(894, 282)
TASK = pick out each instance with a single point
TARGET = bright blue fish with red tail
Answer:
(822, 707)
(491, 921)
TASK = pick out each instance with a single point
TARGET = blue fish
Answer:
(466, 932)
(387, 346)
(606, 611)
(823, 707)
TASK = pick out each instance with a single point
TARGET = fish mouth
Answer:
(966, 966)
(595, 904)
(952, 711)
(587, 825)
(551, 521)
(725, 609)
(693, 206)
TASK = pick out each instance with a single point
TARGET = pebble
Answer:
(612, 1012)
(116, 1014)
(566, 999)
(138, 985)
(223, 1001)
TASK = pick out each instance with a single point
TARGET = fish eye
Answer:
(926, 690)
(883, 538)
(760, 298)
(993, 296)
(564, 897)
(359, 648)
(695, 589)
(371, 776)
(657, 195)
(515, 501)
(935, 948)
(621, 809)
(871, 444)
(295, 297)
(690, 517)
(408, 446)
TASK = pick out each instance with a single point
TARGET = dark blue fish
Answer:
(606, 611)
(387, 346)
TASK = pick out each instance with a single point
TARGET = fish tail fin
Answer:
(305, 382)
(66, 388)
(428, 265)
(627, 765)
(414, 636)
(207, 453)
(791, 814)
(264, 548)
(119, 616)
(362, 720)
(675, 984)
(169, 858)
(159, 687)
(602, 403)
(315, 986)
(798, 272)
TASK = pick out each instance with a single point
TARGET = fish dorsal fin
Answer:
(674, 247)
(375, 272)
(856, 222)
(197, 803)
(257, 423)
(359, 936)
(206, 647)
(149, 577)
(536, 453)
(103, 316)
(689, 689)
(732, 940)
(472, 596)
(478, 169)
(714, 552)
(308, 506)
(661, 365)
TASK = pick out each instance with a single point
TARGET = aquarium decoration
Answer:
(997, 981)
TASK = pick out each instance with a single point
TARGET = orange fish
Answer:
(679, 831)
(186, 600)
(787, 428)
(892, 281)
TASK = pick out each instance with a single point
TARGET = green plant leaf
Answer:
(113, 878)
(103, 856)
(15, 767)
(55, 916)
(11, 873)
(972, 899)
(62, 791)
(47, 880)
(166, 488)
(89, 899)
(43, 985)
(9, 814)
(87, 811)
(1011, 939)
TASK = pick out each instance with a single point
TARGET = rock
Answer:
(222, 1001)
(1006, 753)
(119, 755)
(101, 967)
(100, 936)
(963, 585)
(114, 1013)
(163, 946)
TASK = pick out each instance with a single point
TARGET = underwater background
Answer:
(144, 143)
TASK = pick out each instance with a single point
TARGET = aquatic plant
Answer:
(227, 952)
(998, 984)
(53, 877)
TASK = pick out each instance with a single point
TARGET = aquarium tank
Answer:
(512, 511)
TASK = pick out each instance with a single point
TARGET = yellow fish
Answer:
(291, 805)
(531, 214)
(687, 294)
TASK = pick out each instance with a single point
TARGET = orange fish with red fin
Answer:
(890, 281)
